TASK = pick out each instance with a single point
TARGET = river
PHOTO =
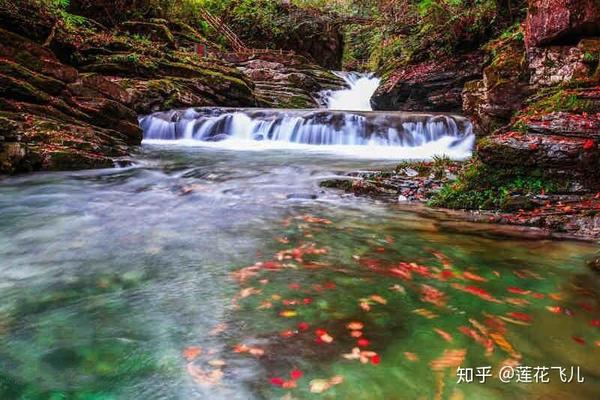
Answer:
(206, 272)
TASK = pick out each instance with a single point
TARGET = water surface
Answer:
(143, 283)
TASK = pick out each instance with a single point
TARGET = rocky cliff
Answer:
(537, 111)
(71, 93)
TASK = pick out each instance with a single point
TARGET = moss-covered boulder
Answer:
(492, 101)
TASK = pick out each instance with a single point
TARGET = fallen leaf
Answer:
(449, 359)
(216, 363)
(445, 335)
(288, 313)
(474, 277)
(192, 352)
(425, 313)
(355, 326)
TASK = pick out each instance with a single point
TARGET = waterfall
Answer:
(357, 97)
(395, 135)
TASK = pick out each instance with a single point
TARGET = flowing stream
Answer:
(207, 272)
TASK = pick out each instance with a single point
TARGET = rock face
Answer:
(538, 108)
(561, 21)
(70, 97)
(493, 100)
(46, 124)
(285, 80)
(429, 86)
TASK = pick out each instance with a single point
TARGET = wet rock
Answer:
(535, 150)
(154, 31)
(559, 64)
(286, 82)
(560, 21)
(429, 86)
(566, 124)
(301, 196)
(217, 138)
(493, 100)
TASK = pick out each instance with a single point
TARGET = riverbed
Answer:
(203, 272)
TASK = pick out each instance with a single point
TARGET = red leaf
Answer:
(307, 300)
(520, 316)
(517, 290)
(363, 342)
(277, 381)
(595, 322)
(303, 326)
(588, 144)
(473, 277)
(579, 340)
(447, 274)
(296, 374)
(375, 360)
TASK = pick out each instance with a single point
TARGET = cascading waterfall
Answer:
(357, 97)
(365, 134)
(347, 127)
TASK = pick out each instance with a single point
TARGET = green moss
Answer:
(560, 100)
(484, 187)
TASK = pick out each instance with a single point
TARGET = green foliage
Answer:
(481, 186)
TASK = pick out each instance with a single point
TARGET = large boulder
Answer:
(561, 21)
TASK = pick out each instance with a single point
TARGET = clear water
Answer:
(111, 281)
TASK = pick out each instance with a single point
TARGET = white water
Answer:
(357, 97)
(353, 134)
(346, 128)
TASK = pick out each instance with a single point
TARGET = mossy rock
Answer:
(42, 82)
(154, 31)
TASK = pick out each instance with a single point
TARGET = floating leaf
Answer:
(425, 313)
(378, 299)
(288, 313)
(242, 348)
(398, 288)
(319, 385)
(296, 374)
(445, 335)
(192, 352)
(516, 290)
(429, 294)
(579, 340)
(501, 341)
(303, 326)
(477, 291)
(216, 363)
(520, 316)
(473, 277)
(554, 309)
(355, 326)
(450, 359)
(277, 381)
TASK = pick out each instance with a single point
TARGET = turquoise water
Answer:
(143, 283)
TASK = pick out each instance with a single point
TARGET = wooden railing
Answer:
(218, 25)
